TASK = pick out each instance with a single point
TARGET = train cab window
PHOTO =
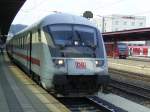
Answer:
(86, 35)
(62, 34)
(79, 37)
(66, 34)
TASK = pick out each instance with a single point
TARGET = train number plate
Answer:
(80, 65)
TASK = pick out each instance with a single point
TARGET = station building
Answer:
(114, 23)
(119, 22)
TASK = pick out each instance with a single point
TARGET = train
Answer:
(136, 50)
(63, 53)
(117, 50)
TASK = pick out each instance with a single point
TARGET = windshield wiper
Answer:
(79, 36)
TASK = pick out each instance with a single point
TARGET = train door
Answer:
(29, 53)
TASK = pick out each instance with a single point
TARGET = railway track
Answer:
(130, 88)
(138, 59)
(88, 104)
(128, 74)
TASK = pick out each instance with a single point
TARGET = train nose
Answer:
(80, 67)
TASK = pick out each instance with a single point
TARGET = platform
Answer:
(18, 93)
(123, 103)
(133, 66)
(139, 58)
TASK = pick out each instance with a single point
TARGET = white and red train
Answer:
(62, 52)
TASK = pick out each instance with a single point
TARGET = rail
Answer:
(130, 88)
(88, 104)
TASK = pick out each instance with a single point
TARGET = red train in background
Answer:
(117, 50)
(122, 50)
(139, 51)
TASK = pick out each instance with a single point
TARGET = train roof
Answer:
(60, 18)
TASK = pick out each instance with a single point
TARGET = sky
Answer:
(34, 10)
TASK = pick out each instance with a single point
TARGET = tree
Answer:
(88, 14)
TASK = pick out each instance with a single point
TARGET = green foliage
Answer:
(88, 14)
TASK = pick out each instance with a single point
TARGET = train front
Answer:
(79, 59)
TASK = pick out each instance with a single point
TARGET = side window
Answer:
(25, 41)
(19, 42)
(36, 37)
(39, 35)
(22, 42)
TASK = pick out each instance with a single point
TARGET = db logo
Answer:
(80, 65)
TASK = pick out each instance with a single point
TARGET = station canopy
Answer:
(8, 10)
(140, 34)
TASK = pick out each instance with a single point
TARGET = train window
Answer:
(86, 35)
(20, 42)
(23, 42)
(36, 36)
(62, 34)
(66, 34)
(39, 35)
(17, 43)
(33, 37)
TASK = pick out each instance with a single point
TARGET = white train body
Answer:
(63, 52)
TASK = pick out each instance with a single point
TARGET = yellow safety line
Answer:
(51, 103)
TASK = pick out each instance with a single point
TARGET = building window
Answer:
(141, 24)
(133, 23)
(125, 23)
(116, 29)
(116, 22)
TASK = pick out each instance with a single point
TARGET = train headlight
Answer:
(59, 62)
(76, 43)
(99, 63)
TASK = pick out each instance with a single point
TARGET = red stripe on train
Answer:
(28, 58)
